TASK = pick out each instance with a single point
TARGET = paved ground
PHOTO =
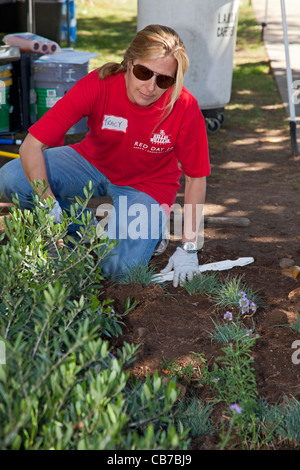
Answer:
(274, 42)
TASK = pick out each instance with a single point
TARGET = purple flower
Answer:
(242, 294)
(244, 302)
(228, 316)
(235, 407)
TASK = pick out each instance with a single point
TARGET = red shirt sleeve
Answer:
(191, 147)
(52, 127)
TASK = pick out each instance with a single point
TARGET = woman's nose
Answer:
(151, 84)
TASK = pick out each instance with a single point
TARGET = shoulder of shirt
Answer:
(94, 76)
(187, 100)
(187, 96)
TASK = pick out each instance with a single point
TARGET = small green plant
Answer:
(195, 415)
(233, 378)
(172, 369)
(234, 381)
(287, 418)
(140, 273)
(295, 326)
(233, 375)
(203, 284)
(230, 330)
(227, 296)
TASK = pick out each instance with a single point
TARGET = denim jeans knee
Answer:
(14, 182)
(137, 221)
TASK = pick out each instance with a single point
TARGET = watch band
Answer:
(189, 247)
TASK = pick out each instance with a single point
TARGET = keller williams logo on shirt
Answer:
(159, 143)
(160, 138)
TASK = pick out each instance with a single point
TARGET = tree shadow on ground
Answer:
(105, 33)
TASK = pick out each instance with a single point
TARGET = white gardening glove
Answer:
(56, 212)
(185, 266)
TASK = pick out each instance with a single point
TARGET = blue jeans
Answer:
(137, 220)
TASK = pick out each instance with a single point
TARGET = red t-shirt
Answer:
(122, 141)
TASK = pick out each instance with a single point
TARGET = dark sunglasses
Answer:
(143, 73)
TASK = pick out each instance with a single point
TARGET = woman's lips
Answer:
(146, 97)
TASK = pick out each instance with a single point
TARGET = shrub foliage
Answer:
(62, 386)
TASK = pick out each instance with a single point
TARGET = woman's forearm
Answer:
(194, 198)
(31, 155)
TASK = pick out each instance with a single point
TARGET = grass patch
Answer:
(194, 414)
(289, 419)
(229, 331)
(227, 296)
(137, 274)
(107, 28)
(223, 293)
(203, 284)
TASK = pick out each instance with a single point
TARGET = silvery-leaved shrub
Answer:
(61, 386)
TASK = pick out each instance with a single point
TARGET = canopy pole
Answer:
(30, 7)
(265, 22)
(293, 126)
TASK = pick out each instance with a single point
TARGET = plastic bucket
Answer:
(208, 30)
(5, 84)
(51, 83)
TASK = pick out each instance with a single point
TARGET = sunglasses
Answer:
(143, 73)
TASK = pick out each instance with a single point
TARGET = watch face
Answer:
(188, 246)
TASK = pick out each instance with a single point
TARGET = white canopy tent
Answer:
(289, 75)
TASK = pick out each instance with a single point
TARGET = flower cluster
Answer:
(228, 316)
(235, 407)
(245, 304)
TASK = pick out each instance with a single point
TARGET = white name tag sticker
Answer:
(114, 123)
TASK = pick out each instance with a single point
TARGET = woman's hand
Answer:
(184, 264)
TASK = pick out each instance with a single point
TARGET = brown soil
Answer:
(255, 178)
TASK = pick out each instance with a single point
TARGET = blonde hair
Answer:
(154, 42)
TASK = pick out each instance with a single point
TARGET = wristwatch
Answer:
(189, 247)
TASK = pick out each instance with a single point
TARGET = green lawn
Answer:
(105, 27)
